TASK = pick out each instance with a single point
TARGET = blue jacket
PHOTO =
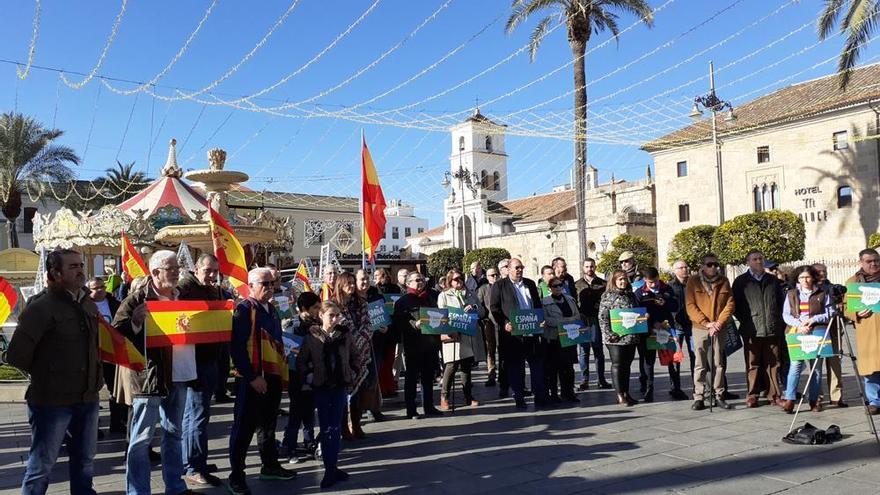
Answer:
(658, 313)
(241, 333)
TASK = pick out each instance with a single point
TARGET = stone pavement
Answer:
(596, 447)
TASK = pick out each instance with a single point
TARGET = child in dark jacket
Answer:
(302, 398)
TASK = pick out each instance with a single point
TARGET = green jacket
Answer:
(56, 342)
(758, 305)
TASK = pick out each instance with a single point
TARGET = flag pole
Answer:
(363, 206)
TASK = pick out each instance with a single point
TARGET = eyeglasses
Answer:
(417, 280)
(517, 267)
(713, 264)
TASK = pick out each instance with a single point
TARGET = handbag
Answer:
(734, 342)
(807, 435)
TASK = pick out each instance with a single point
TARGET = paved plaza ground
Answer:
(596, 447)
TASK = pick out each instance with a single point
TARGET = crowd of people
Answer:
(339, 368)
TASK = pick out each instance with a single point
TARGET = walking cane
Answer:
(711, 360)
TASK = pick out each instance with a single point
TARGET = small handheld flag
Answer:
(132, 263)
(229, 252)
(302, 274)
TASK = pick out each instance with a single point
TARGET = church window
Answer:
(765, 193)
(461, 143)
(759, 200)
(774, 196)
(496, 181)
(484, 179)
(489, 144)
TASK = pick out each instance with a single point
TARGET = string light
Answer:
(38, 9)
(104, 52)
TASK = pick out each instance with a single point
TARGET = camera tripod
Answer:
(838, 324)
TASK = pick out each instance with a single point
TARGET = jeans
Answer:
(196, 417)
(794, 376)
(146, 412)
(872, 388)
(584, 360)
(49, 425)
(331, 405)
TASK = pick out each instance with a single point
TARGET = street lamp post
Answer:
(712, 103)
(465, 179)
(604, 243)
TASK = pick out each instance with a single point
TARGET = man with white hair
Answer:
(329, 281)
(158, 392)
(259, 390)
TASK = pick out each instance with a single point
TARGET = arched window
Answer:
(759, 203)
(774, 196)
(484, 179)
(461, 143)
(844, 197)
(765, 193)
(496, 181)
(489, 144)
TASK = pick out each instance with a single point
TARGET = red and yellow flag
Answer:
(373, 203)
(229, 252)
(302, 274)
(188, 322)
(116, 349)
(267, 355)
(8, 299)
(132, 263)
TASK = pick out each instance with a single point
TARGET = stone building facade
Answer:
(808, 148)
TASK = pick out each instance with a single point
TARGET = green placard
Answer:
(390, 299)
(628, 321)
(378, 315)
(527, 322)
(573, 331)
(282, 305)
(462, 322)
(804, 347)
(860, 297)
(661, 338)
(434, 321)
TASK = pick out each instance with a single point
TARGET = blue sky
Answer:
(641, 86)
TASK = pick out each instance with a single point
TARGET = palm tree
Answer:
(28, 161)
(582, 18)
(123, 182)
(861, 19)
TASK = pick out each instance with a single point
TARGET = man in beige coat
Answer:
(709, 306)
(868, 330)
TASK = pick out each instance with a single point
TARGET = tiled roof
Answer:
(781, 106)
(535, 208)
(430, 232)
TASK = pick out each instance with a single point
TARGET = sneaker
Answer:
(378, 416)
(238, 487)
(203, 479)
(270, 473)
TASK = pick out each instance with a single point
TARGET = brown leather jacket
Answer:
(703, 307)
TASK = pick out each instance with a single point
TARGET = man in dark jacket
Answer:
(259, 390)
(56, 342)
(512, 293)
(590, 288)
(159, 392)
(680, 276)
(758, 298)
(201, 286)
(490, 332)
(560, 270)
(107, 306)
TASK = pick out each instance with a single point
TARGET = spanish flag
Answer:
(8, 299)
(326, 292)
(267, 354)
(302, 274)
(132, 263)
(116, 349)
(188, 322)
(373, 203)
(229, 252)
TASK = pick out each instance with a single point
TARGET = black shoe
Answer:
(413, 415)
(605, 385)
(238, 487)
(649, 395)
(378, 417)
(154, 456)
(490, 382)
(570, 398)
(521, 404)
(585, 385)
(678, 394)
(729, 396)
(433, 411)
(275, 473)
(643, 388)
(698, 405)
(722, 404)
(341, 475)
(555, 399)
(329, 478)
(223, 399)
(503, 394)
(527, 393)
(211, 468)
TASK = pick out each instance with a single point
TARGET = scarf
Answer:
(632, 272)
(709, 283)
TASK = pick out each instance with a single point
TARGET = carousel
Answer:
(167, 214)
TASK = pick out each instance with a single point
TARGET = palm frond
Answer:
(860, 23)
(537, 36)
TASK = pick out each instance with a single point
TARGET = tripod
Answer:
(838, 322)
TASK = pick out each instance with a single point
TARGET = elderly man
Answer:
(328, 282)
(259, 390)
(759, 298)
(159, 392)
(56, 342)
(402, 274)
(475, 279)
(203, 285)
(629, 265)
(868, 330)
(516, 292)
(710, 305)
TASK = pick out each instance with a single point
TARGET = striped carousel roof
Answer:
(168, 191)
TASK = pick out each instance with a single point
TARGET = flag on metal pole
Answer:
(373, 203)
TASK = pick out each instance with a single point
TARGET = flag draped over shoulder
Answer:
(302, 274)
(116, 349)
(229, 252)
(373, 203)
(132, 263)
(267, 354)
(188, 322)
(8, 299)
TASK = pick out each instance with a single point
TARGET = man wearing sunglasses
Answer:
(710, 304)
(517, 292)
